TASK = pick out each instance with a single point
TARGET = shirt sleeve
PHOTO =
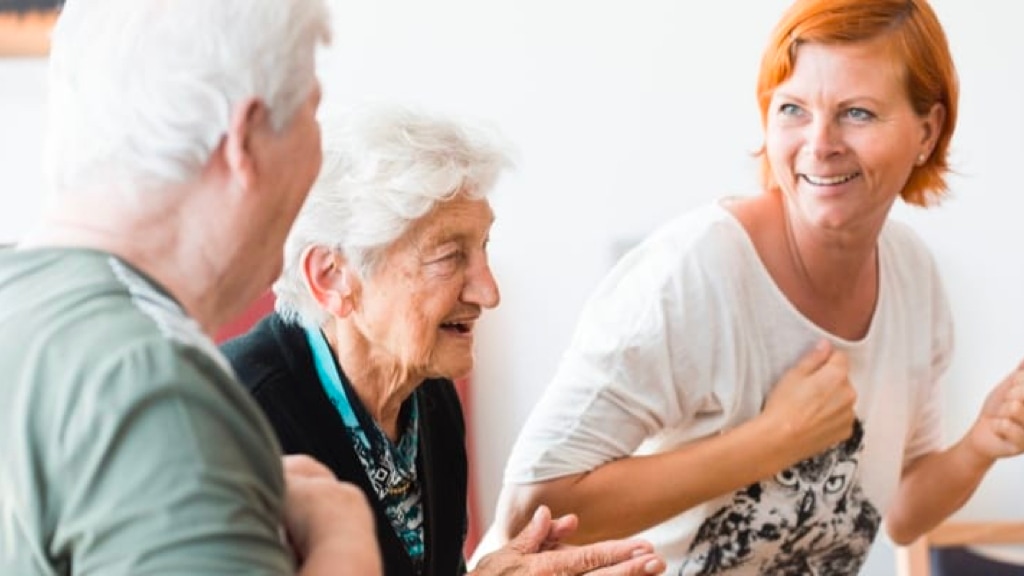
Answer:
(926, 429)
(622, 378)
(166, 468)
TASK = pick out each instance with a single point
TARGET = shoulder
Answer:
(111, 341)
(906, 255)
(131, 413)
(708, 228)
(182, 446)
(103, 325)
(703, 239)
(687, 260)
(135, 376)
(269, 352)
(899, 239)
(261, 339)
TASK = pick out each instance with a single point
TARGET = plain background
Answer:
(621, 115)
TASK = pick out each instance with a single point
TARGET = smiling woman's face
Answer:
(418, 310)
(842, 137)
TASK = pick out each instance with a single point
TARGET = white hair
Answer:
(384, 167)
(141, 91)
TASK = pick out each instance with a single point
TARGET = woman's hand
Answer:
(537, 551)
(814, 401)
(937, 484)
(999, 430)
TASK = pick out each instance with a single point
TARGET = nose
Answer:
(823, 138)
(481, 288)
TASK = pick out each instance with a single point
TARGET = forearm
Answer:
(932, 488)
(625, 496)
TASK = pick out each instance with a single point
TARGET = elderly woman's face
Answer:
(842, 137)
(420, 308)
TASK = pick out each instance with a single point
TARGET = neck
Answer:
(165, 240)
(382, 386)
(831, 266)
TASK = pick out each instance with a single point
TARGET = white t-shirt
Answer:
(686, 337)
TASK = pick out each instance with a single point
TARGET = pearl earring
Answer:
(921, 158)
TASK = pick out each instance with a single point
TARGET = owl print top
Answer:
(686, 337)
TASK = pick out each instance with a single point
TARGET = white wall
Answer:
(623, 114)
(22, 121)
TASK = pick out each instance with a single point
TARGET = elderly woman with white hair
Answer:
(386, 274)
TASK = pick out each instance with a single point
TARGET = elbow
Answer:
(900, 533)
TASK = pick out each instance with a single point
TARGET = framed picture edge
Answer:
(26, 34)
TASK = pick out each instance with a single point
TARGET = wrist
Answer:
(970, 456)
(778, 442)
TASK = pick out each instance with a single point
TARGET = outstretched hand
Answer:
(538, 551)
(999, 430)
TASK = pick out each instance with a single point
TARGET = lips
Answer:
(459, 326)
(835, 180)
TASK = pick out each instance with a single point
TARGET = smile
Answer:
(458, 327)
(829, 180)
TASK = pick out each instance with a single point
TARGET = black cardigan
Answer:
(274, 362)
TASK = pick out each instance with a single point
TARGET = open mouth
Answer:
(829, 180)
(457, 327)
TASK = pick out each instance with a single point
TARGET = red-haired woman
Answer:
(755, 387)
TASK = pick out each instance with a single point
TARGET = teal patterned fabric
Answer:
(391, 468)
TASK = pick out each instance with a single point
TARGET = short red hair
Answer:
(914, 36)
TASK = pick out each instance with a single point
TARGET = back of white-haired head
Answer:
(384, 167)
(141, 91)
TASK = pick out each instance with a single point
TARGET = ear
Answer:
(246, 119)
(329, 280)
(933, 122)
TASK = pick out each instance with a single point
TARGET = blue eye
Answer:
(860, 114)
(789, 109)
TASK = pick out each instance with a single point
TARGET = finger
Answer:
(533, 535)
(1012, 385)
(814, 359)
(640, 565)
(1017, 388)
(561, 528)
(1011, 434)
(583, 559)
(838, 363)
(1012, 408)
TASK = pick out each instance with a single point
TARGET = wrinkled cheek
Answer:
(419, 351)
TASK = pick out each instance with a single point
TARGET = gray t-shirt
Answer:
(126, 444)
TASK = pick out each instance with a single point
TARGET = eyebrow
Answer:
(447, 235)
(842, 103)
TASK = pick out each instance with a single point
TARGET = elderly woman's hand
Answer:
(537, 551)
(999, 430)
